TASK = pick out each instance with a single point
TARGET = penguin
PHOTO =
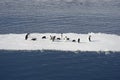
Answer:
(44, 37)
(89, 38)
(78, 40)
(26, 36)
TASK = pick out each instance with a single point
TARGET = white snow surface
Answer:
(100, 42)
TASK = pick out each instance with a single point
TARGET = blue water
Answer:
(60, 23)
(28, 16)
(56, 65)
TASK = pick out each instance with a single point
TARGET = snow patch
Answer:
(100, 42)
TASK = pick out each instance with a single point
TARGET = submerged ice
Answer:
(58, 41)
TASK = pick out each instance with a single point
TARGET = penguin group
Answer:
(53, 38)
(27, 36)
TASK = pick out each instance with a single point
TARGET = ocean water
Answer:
(57, 65)
(59, 17)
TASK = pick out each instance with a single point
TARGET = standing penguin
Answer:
(89, 38)
(27, 35)
(78, 40)
(53, 38)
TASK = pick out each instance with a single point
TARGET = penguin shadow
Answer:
(82, 42)
(94, 41)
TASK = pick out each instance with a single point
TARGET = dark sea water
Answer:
(29, 16)
(57, 65)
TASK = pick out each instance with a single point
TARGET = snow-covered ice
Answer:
(100, 42)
